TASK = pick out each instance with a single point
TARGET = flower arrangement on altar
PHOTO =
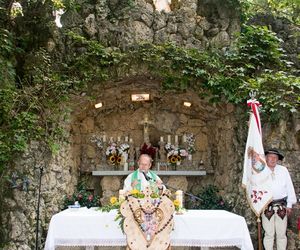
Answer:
(175, 154)
(117, 154)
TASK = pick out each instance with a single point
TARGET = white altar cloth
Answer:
(205, 228)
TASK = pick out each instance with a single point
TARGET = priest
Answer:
(143, 177)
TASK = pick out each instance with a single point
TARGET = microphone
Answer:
(146, 176)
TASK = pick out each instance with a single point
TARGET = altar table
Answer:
(202, 228)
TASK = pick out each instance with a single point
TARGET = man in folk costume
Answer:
(274, 218)
(143, 177)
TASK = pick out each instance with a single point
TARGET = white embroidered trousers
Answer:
(275, 227)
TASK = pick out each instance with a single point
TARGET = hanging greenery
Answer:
(255, 62)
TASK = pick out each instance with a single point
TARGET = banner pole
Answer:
(259, 233)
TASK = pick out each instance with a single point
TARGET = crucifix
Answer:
(146, 123)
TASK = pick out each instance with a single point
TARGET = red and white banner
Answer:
(256, 177)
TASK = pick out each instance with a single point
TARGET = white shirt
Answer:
(282, 185)
(144, 182)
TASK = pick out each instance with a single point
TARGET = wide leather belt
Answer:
(280, 205)
(281, 202)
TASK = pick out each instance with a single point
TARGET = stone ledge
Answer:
(160, 173)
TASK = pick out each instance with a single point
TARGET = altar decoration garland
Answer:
(148, 221)
(148, 211)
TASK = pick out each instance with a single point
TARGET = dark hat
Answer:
(276, 152)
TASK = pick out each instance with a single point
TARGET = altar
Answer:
(202, 228)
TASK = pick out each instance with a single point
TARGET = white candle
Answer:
(104, 138)
(130, 140)
(111, 139)
(126, 138)
(119, 138)
(121, 195)
(184, 138)
(169, 138)
(161, 138)
(179, 197)
(176, 138)
(126, 166)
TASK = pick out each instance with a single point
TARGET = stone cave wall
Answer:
(59, 177)
(192, 23)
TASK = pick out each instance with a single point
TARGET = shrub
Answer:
(210, 199)
(84, 197)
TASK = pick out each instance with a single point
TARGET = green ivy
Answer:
(252, 63)
(256, 62)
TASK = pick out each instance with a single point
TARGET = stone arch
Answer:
(212, 125)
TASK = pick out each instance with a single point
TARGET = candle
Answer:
(130, 140)
(119, 138)
(169, 138)
(161, 138)
(176, 138)
(126, 138)
(121, 195)
(179, 197)
(104, 138)
(184, 138)
(111, 139)
(126, 166)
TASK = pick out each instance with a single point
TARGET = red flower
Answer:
(91, 197)
(148, 149)
(79, 196)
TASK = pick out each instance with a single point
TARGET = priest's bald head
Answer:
(145, 162)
